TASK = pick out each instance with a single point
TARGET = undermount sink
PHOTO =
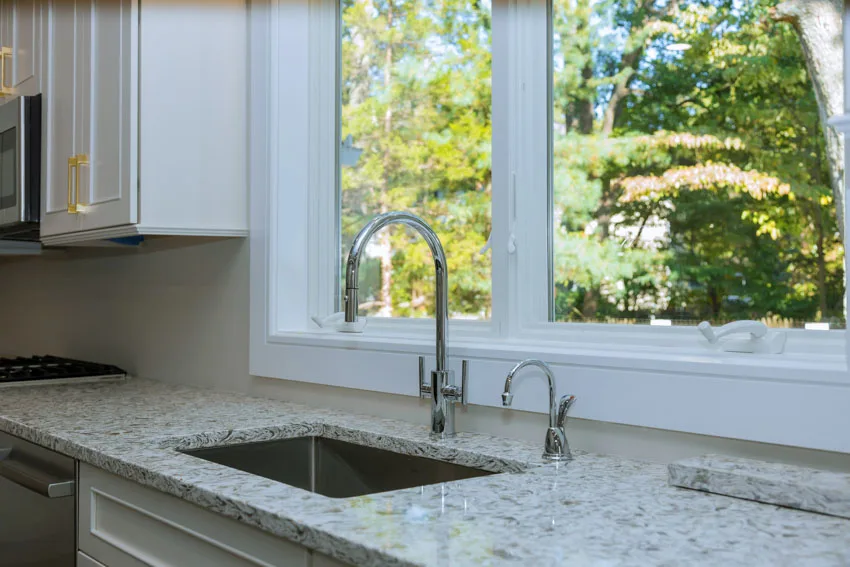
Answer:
(334, 468)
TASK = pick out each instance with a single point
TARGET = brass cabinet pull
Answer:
(81, 159)
(72, 199)
(74, 164)
(4, 90)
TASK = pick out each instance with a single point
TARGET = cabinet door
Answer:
(104, 136)
(84, 560)
(58, 108)
(19, 33)
(6, 17)
(25, 25)
(123, 524)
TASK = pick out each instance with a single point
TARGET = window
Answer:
(626, 163)
(415, 123)
(687, 185)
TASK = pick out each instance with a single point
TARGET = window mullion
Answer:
(323, 140)
(530, 144)
(503, 313)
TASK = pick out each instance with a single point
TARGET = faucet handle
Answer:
(564, 407)
(464, 383)
(454, 393)
(424, 387)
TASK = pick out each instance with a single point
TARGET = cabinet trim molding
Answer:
(137, 230)
(140, 554)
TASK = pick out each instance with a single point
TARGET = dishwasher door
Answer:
(37, 506)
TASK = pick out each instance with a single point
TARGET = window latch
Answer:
(489, 244)
(336, 321)
(743, 336)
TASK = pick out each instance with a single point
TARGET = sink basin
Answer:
(334, 468)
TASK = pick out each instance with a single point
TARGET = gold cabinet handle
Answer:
(72, 199)
(4, 90)
(81, 159)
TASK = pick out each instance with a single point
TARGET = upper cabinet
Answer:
(19, 47)
(144, 119)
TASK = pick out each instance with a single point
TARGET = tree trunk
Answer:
(818, 24)
(384, 238)
(821, 261)
(621, 90)
(386, 309)
(584, 107)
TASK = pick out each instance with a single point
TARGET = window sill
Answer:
(819, 368)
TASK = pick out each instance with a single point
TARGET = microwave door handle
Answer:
(33, 478)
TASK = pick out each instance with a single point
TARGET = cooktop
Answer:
(53, 369)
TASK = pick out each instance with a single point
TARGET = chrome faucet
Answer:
(556, 447)
(442, 390)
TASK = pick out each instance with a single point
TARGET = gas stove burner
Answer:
(53, 369)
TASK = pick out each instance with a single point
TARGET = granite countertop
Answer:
(595, 510)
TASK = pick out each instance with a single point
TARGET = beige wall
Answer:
(177, 311)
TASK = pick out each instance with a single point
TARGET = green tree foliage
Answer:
(696, 120)
(416, 99)
(690, 175)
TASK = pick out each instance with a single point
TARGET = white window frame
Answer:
(637, 375)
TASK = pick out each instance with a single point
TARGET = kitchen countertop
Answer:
(775, 483)
(595, 510)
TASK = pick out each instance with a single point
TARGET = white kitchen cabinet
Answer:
(145, 119)
(19, 40)
(123, 524)
(84, 560)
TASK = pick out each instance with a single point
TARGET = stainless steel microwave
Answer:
(20, 168)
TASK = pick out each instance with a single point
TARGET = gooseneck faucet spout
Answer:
(442, 389)
(556, 447)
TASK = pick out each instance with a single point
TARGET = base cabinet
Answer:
(84, 560)
(123, 524)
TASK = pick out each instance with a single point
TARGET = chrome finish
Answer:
(424, 387)
(334, 468)
(443, 391)
(556, 447)
(37, 514)
(464, 383)
(22, 115)
(33, 477)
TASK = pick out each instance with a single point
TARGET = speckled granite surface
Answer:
(774, 483)
(593, 511)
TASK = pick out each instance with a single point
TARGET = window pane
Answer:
(693, 179)
(415, 125)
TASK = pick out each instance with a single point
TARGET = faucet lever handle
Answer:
(564, 407)
(424, 387)
(464, 383)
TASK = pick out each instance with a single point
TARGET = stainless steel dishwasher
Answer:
(37, 506)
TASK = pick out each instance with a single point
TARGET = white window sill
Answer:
(818, 368)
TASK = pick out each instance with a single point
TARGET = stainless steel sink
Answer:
(333, 468)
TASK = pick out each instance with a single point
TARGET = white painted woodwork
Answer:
(58, 116)
(320, 560)
(104, 136)
(158, 104)
(19, 31)
(123, 524)
(84, 560)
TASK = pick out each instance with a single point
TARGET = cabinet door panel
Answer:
(25, 16)
(105, 87)
(84, 560)
(124, 524)
(58, 118)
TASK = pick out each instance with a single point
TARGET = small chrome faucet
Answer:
(556, 447)
(442, 390)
